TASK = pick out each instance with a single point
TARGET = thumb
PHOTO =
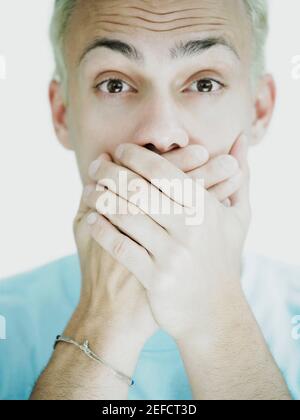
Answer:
(241, 199)
(80, 228)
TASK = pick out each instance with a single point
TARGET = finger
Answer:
(188, 158)
(123, 249)
(129, 219)
(217, 170)
(227, 188)
(80, 229)
(104, 157)
(137, 191)
(155, 169)
(241, 199)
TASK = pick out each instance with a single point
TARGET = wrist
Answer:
(110, 340)
(223, 325)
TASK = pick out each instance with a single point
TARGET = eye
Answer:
(207, 86)
(112, 86)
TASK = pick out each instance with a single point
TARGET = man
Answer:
(155, 90)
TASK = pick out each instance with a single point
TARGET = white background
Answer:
(39, 183)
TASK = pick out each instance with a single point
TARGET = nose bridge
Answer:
(161, 125)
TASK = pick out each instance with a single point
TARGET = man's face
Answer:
(165, 95)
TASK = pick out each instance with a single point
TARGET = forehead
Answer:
(156, 25)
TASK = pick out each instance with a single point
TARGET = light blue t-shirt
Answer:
(37, 305)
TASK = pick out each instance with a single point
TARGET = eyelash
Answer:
(221, 86)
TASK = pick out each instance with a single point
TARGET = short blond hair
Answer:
(257, 10)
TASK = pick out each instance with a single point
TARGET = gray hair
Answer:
(257, 10)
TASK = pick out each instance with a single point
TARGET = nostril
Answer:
(152, 148)
(161, 150)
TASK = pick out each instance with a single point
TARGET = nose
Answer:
(160, 129)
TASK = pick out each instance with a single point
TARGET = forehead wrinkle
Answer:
(150, 23)
(194, 26)
(115, 6)
(112, 16)
(163, 13)
(114, 13)
(208, 19)
(94, 7)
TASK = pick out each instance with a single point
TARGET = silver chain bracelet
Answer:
(88, 352)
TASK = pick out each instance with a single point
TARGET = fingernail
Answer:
(119, 151)
(202, 153)
(229, 163)
(92, 219)
(94, 167)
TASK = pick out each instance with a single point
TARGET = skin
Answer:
(144, 272)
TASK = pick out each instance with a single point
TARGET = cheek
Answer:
(96, 130)
(106, 128)
(219, 122)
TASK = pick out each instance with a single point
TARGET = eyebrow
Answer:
(180, 50)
